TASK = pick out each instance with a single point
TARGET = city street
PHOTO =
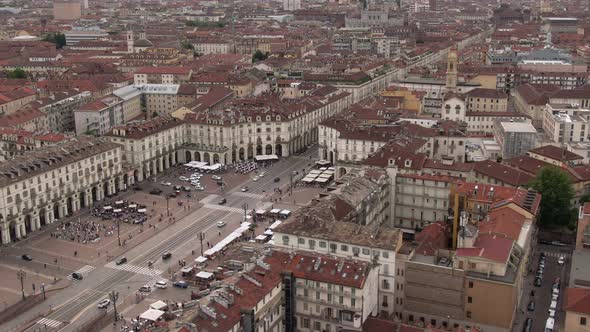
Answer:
(72, 306)
(543, 294)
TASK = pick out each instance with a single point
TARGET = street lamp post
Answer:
(167, 206)
(245, 207)
(201, 238)
(114, 297)
(119, 231)
(43, 290)
(291, 181)
(21, 276)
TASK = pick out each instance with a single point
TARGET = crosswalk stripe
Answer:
(249, 195)
(223, 208)
(135, 269)
(49, 322)
(557, 254)
(84, 270)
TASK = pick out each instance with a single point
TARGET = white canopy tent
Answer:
(204, 275)
(276, 223)
(117, 210)
(260, 211)
(322, 162)
(142, 210)
(228, 239)
(261, 237)
(200, 259)
(285, 213)
(275, 211)
(158, 305)
(132, 206)
(108, 207)
(266, 157)
(322, 180)
(119, 202)
(152, 314)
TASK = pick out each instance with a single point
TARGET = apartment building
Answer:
(566, 123)
(423, 199)
(486, 100)
(577, 313)
(59, 108)
(333, 227)
(483, 123)
(151, 146)
(162, 75)
(263, 125)
(343, 140)
(100, 116)
(12, 101)
(514, 138)
(41, 186)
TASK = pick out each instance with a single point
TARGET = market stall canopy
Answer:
(275, 211)
(204, 275)
(108, 207)
(267, 157)
(261, 237)
(276, 223)
(152, 314)
(260, 211)
(285, 213)
(158, 305)
(200, 259)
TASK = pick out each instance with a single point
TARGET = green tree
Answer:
(188, 45)
(59, 39)
(557, 193)
(17, 73)
(259, 56)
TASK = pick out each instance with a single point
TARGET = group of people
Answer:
(82, 232)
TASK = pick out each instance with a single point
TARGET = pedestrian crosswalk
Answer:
(84, 270)
(557, 254)
(248, 195)
(135, 269)
(49, 322)
(223, 208)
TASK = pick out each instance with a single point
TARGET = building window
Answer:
(366, 251)
(471, 284)
(469, 299)
(582, 320)
(468, 314)
(355, 251)
(306, 323)
(285, 240)
(301, 240)
(322, 244)
(384, 304)
(344, 247)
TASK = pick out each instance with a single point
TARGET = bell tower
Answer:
(130, 48)
(452, 61)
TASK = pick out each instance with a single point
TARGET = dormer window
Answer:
(408, 163)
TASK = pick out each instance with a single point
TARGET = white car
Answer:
(221, 223)
(555, 297)
(104, 304)
(561, 260)
(162, 284)
(551, 313)
(256, 178)
(182, 178)
(244, 189)
(199, 188)
(262, 174)
(216, 177)
(166, 183)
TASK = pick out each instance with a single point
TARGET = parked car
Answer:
(256, 178)
(561, 260)
(77, 275)
(186, 188)
(244, 189)
(172, 195)
(216, 177)
(121, 260)
(528, 325)
(222, 201)
(103, 304)
(156, 191)
(137, 188)
(145, 289)
(277, 180)
(538, 282)
(26, 257)
(180, 284)
(551, 313)
(532, 292)
(162, 284)
(166, 183)
(531, 306)
(166, 255)
(221, 223)
(262, 174)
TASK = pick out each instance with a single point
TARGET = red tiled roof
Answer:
(502, 172)
(556, 153)
(351, 274)
(503, 221)
(577, 300)
(164, 70)
(586, 209)
(20, 117)
(486, 93)
(490, 247)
